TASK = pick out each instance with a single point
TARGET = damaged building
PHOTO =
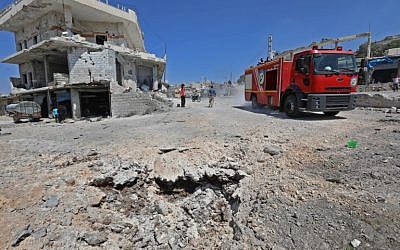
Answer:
(84, 56)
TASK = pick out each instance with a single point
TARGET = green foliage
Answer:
(378, 48)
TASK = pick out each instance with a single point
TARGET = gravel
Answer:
(233, 179)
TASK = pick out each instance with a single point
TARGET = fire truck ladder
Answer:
(288, 55)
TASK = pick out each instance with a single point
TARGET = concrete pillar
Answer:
(75, 104)
(49, 111)
(46, 69)
(155, 77)
(68, 19)
(29, 78)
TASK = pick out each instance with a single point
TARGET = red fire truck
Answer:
(316, 80)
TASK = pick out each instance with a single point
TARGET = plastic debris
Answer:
(355, 243)
(352, 144)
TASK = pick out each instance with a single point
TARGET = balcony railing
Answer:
(9, 7)
(119, 6)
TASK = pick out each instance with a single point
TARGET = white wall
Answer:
(86, 67)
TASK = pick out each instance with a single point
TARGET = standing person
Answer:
(396, 82)
(230, 88)
(183, 97)
(56, 114)
(211, 96)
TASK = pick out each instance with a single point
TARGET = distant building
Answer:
(393, 52)
(78, 54)
(385, 70)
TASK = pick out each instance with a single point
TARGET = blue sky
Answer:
(214, 38)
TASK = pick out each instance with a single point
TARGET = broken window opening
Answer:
(35, 40)
(25, 44)
(58, 64)
(100, 39)
(20, 46)
(145, 77)
(24, 79)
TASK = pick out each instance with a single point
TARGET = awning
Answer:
(378, 61)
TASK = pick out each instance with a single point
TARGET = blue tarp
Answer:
(378, 61)
(63, 96)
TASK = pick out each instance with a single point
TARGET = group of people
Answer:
(211, 96)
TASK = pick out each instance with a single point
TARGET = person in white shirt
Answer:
(396, 81)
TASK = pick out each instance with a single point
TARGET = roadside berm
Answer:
(378, 99)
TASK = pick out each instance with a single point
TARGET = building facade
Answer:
(76, 54)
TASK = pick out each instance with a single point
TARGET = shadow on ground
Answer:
(275, 113)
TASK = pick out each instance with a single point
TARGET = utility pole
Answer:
(369, 43)
(165, 57)
(368, 72)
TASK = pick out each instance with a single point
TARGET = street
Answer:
(227, 177)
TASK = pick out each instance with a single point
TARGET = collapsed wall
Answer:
(137, 103)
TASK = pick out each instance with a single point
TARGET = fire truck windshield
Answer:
(336, 63)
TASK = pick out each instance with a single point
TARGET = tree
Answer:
(378, 48)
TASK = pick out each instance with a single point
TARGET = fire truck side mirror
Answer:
(301, 65)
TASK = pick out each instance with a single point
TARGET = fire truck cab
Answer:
(316, 80)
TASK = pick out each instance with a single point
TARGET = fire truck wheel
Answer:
(331, 113)
(292, 106)
(254, 103)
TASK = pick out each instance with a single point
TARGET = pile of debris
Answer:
(138, 103)
(387, 100)
(125, 200)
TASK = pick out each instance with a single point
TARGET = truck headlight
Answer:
(353, 81)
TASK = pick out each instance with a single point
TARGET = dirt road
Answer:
(228, 177)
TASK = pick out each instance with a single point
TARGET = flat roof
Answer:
(17, 15)
(53, 46)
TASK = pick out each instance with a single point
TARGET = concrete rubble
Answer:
(21, 236)
(378, 99)
(274, 184)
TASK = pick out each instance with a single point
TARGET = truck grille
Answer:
(337, 101)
